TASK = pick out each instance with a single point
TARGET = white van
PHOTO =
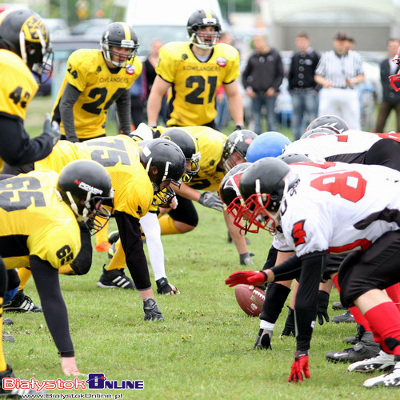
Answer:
(163, 19)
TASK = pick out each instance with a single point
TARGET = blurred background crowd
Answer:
(281, 29)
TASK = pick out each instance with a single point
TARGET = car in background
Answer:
(91, 27)
(57, 27)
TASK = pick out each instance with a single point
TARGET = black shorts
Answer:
(378, 267)
(185, 212)
(384, 152)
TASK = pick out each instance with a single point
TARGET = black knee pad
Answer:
(13, 279)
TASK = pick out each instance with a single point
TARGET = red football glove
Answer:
(247, 277)
(300, 365)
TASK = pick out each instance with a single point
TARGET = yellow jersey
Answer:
(88, 72)
(35, 221)
(211, 143)
(119, 155)
(192, 98)
(17, 89)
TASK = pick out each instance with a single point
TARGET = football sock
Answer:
(385, 320)
(167, 225)
(3, 289)
(118, 261)
(102, 236)
(24, 275)
(394, 293)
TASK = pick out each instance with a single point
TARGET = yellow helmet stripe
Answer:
(127, 31)
(208, 13)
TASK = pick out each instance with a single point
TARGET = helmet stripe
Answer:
(208, 13)
(127, 31)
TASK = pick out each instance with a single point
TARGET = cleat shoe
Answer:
(17, 393)
(7, 321)
(360, 334)
(102, 247)
(365, 348)
(8, 338)
(115, 279)
(151, 311)
(263, 340)
(163, 287)
(382, 362)
(21, 303)
(337, 305)
(391, 379)
(345, 317)
(288, 330)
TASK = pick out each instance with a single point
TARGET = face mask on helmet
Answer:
(229, 189)
(117, 36)
(86, 186)
(199, 20)
(263, 187)
(238, 141)
(25, 33)
(190, 148)
(165, 164)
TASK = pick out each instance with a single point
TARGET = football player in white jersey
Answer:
(330, 211)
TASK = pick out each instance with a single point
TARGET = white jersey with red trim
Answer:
(339, 207)
(349, 147)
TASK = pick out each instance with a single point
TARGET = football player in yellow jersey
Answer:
(35, 210)
(149, 222)
(219, 153)
(193, 71)
(137, 175)
(94, 80)
(24, 49)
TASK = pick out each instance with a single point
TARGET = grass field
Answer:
(203, 349)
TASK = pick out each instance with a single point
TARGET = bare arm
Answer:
(157, 92)
(235, 102)
(187, 192)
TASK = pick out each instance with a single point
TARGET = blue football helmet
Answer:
(268, 144)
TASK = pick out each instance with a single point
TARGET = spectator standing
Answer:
(302, 86)
(149, 66)
(261, 78)
(338, 72)
(138, 98)
(390, 98)
(222, 101)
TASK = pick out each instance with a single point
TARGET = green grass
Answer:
(203, 349)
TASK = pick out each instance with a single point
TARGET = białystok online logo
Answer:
(96, 381)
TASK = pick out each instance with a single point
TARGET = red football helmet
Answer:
(395, 79)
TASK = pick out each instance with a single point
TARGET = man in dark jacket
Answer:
(261, 78)
(302, 86)
(390, 98)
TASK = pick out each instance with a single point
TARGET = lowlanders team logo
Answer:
(96, 381)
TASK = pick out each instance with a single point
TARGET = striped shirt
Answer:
(337, 69)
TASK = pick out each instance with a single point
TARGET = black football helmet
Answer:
(238, 141)
(190, 148)
(291, 158)
(262, 187)
(320, 131)
(201, 19)
(119, 35)
(23, 32)
(165, 162)
(333, 122)
(83, 184)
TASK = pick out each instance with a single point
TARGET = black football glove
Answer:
(52, 129)
(211, 200)
(323, 302)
